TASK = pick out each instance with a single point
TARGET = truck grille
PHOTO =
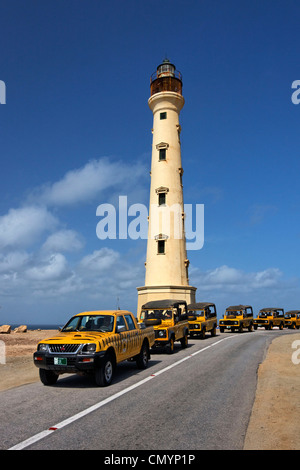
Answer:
(63, 348)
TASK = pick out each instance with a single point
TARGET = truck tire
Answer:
(48, 377)
(104, 373)
(184, 341)
(170, 346)
(143, 357)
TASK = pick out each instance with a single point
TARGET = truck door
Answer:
(134, 343)
(122, 331)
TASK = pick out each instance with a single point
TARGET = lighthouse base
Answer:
(149, 293)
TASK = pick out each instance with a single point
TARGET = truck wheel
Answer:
(184, 342)
(221, 329)
(250, 327)
(104, 374)
(143, 357)
(48, 377)
(203, 333)
(281, 326)
(213, 332)
(170, 346)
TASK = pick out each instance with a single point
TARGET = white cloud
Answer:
(231, 279)
(100, 261)
(63, 240)
(86, 183)
(23, 226)
(13, 262)
(52, 268)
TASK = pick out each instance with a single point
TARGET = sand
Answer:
(275, 418)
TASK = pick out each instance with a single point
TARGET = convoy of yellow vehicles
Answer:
(94, 343)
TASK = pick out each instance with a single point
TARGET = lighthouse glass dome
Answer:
(166, 69)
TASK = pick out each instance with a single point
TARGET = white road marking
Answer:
(62, 424)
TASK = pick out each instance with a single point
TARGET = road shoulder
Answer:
(275, 417)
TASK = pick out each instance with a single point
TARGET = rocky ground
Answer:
(274, 423)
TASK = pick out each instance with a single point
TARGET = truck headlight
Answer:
(43, 347)
(162, 334)
(89, 348)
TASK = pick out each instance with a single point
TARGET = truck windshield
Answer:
(159, 314)
(197, 313)
(234, 313)
(100, 323)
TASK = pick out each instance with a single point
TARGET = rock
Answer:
(21, 329)
(5, 329)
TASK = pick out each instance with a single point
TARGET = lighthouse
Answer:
(166, 263)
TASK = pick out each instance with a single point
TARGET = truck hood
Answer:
(75, 338)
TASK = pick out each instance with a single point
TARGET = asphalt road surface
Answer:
(197, 398)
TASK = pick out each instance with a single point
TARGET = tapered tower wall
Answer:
(166, 262)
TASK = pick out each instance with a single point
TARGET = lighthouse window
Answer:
(161, 199)
(161, 247)
(162, 154)
(163, 115)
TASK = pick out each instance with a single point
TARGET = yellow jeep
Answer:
(169, 320)
(269, 317)
(292, 319)
(202, 318)
(237, 317)
(94, 343)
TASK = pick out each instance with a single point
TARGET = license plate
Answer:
(60, 361)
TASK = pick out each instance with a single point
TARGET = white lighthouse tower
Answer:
(166, 263)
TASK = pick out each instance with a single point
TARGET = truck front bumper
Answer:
(228, 324)
(62, 363)
(261, 323)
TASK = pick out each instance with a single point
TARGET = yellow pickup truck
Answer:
(269, 317)
(237, 317)
(94, 343)
(169, 320)
(202, 317)
(292, 319)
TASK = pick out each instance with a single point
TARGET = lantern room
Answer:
(166, 78)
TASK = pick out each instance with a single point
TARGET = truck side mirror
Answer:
(121, 328)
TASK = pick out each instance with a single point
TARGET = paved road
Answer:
(198, 398)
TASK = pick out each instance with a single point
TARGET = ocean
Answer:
(38, 326)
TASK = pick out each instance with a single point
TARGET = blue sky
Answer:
(75, 132)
